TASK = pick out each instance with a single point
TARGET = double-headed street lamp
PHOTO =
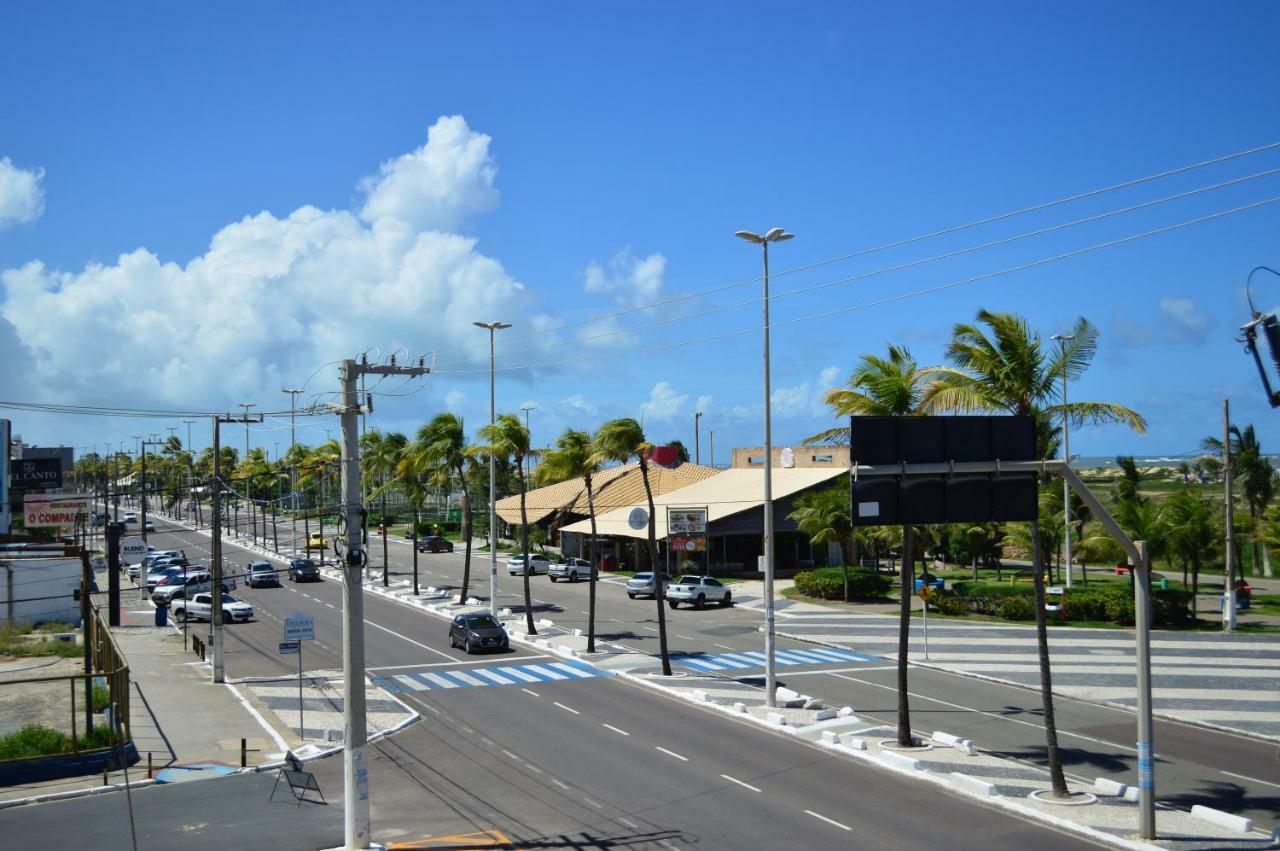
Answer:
(1062, 340)
(770, 681)
(493, 475)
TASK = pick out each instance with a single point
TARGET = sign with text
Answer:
(299, 627)
(36, 473)
(686, 521)
(58, 511)
(687, 543)
(287, 647)
(133, 550)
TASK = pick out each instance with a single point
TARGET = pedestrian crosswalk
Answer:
(505, 675)
(753, 659)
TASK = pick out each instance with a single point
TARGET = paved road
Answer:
(555, 760)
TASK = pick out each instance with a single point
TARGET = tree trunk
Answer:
(905, 738)
(595, 568)
(659, 589)
(1195, 588)
(1056, 778)
(1266, 560)
(524, 550)
(466, 534)
(414, 533)
(386, 567)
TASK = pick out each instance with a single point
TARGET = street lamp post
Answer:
(248, 485)
(1062, 340)
(528, 462)
(697, 438)
(774, 235)
(293, 474)
(493, 474)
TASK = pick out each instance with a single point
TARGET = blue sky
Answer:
(204, 206)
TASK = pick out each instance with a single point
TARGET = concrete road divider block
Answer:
(825, 715)
(1131, 794)
(506, 613)
(845, 712)
(577, 631)
(1106, 786)
(473, 601)
(777, 719)
(785, 693)
(899, 760)
(830, 737)
(1218, 817)
(699, 694)
(974, 784)
(946, 738)
(543, 623)
(854, 742)
(739, 706)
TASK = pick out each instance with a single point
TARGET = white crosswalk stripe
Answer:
(504, 675)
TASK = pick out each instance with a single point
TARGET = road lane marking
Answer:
(534, 693)
(441, 664)
(568, 708)
(821, 817)
(511, 756)
(1250, 779)
(672, 753)
(616, 730)
(628, 822)
(408, 639)
(593, 803)
(722, 646)
(740, 783)
(559, 783)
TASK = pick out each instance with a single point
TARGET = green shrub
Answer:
(101, 698)
(948, 603)
(1095, 604)
(33, 741)
(1016, 608)
(827, 583)
(1171, 608)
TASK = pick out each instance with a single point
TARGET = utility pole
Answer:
(215, 617)
(356, 821)
(713, 447)
(528, 462)
(1229, 615)
(697, 438)
(293, 474)
(144, 445)
(493, 475)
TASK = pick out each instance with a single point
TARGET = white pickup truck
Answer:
(698, 590)
(200, 608)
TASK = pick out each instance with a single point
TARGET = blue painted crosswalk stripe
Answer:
(756, 659)
(506, 675)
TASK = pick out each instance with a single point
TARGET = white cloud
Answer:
(704, 404)
(579, 403)
(631, 281)
(1184, 321)
(273, 298)
(440, 185)
(455, 400)
(828, 377)
(664, 402)
(21, 195)
(791, 402)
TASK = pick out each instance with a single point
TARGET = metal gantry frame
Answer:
(1139, 555)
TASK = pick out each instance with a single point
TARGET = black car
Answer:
(435, 544)
(303, 570)
(477, 631)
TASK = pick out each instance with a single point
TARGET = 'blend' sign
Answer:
(36, 472)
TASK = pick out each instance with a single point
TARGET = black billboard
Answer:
(35, 473)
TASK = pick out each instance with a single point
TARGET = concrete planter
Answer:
(58, 766)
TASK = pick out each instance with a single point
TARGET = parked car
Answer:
(164, 593)
(183, 592)
(477, 631)
(572, 569)
(537, 562)
(158, 574)
(261, 573)
(303, 570)
(316, 541)
(698, 590)
(642, 585)
(130, 517)
(200, 608)
(149, 526)
(435, 544)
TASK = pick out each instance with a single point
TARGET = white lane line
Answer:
(843, 670)
(1250, 779)
(821, 817)
(559, 783)
(628, 822)
(568, 709)
(651, 629)
(616, 730)
(408, 639)
(721, 646)
(534, 693)
(511, 756)
(593, 803)
(685, 637)
(671, 753)
(534, 768)
(740, 783)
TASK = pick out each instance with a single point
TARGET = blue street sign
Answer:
(287, 647)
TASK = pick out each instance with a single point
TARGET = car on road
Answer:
(435, 544)
(537, 563)
(477, 631)
(698, 590)
(130, 517)
(261, 573)
(200, 608)
(303, 570)
(642, 585)
(194, 577)
(176, 593)
(316, 541)
(572, 569)
(149, 526)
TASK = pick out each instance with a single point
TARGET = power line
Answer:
(1128, 184)
(888, 299)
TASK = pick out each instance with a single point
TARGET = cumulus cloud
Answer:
(21, 195)
(704, 404)
(665, 402)
(803, 399)
(456, 400)
(579, 404)
(273, 298)
(631, 281)
(1183, 320)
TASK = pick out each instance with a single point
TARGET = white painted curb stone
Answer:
(898, 760)
(1218, 817)
(974, 784)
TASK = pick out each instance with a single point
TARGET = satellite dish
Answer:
(638, 518)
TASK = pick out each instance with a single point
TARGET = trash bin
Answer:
(162, 615)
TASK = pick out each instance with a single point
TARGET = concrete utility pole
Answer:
(713, 447)
(493, 475)
(356, 820)
(528, 462)
(697, 438)
(293, 474)
(215, 617)
(144, 446)
(1229, 605)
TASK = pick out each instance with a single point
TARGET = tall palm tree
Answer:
(1192, 535)
(621, 440)
(380, 455)
(999, 365)
(573, 458)
(1130, 479)
(507, 437)
(439, 451)
(1256, 477)
(824, 516)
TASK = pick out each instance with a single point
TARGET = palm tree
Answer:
(1130, 478)
(891, 386)
(380, 456)
(507, 437)
(999, 365)
(1192, 535)
(621, 440)
(573, 458)
(1256, 477)
(824, 517)
(440, 451)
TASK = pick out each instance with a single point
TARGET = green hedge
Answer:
(1107, 604)
(827, 583)
(38, 741)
